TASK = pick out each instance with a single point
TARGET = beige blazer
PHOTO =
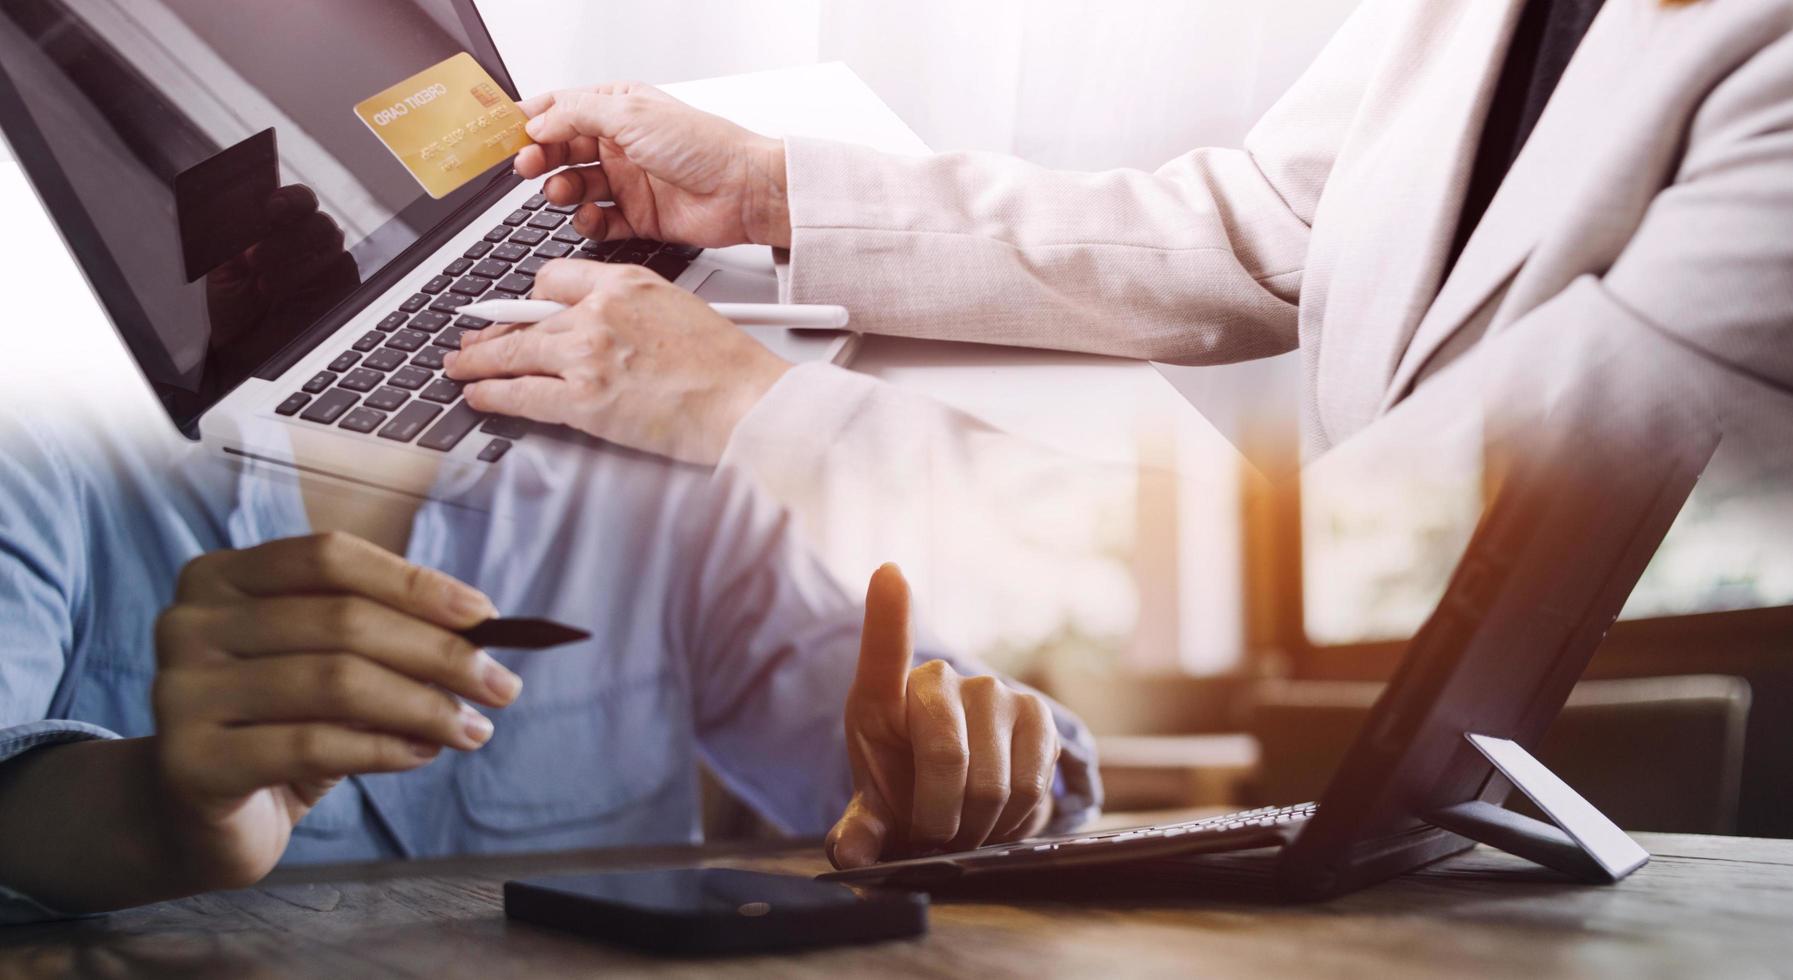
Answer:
(1652, 205)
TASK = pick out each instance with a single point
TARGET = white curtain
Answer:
(1066, 83)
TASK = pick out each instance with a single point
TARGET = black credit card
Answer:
(522, 634)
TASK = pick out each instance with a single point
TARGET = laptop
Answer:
(1563, 541)
(308, 333)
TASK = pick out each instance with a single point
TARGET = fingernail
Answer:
(477, 727)
(469, 602)
(533, 127)
(449, 358)
(500, 680)
(425, 750)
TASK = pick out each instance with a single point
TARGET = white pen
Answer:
(746, 314)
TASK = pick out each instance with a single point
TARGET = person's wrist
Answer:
(768, 218)
(749, 388)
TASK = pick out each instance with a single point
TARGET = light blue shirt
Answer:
(717, 638)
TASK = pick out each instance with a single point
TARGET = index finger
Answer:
(885, 649)
(335, 563)
(571, 114)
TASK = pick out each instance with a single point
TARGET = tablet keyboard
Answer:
(1247, 829)
(388, 384)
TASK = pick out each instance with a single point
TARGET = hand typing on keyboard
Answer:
(940, 762)
(635, 360)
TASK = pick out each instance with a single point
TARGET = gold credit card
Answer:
(447, 124)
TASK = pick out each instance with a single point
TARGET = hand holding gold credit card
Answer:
(447, 124)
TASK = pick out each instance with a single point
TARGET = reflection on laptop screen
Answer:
(215, 152)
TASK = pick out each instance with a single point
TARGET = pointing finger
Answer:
(885, 648)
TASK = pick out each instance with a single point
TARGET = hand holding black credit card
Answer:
(521, 633)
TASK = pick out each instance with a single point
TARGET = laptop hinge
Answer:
(1579, 840)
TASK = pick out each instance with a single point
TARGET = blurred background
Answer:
(1223, 625)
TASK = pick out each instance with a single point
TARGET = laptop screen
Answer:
(206, 164)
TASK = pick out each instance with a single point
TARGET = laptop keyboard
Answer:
(388, 385)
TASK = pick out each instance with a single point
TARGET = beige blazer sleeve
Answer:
(1198, 262)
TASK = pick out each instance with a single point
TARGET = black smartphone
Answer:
(715, 911)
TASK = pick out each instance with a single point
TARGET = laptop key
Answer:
(458, 266)
(416, 302)
(293, 403)
(369, 341)
(392, 322)
(516, 218)
(494, 451)
(506, 426)
(510, 251)
(498, 234)
(547, 220)
(442, 390)
(344, 361)
(532, 265)
(491, 269)
(554, 250)
(410, 378)
(449, 302)
(687, 251)
(670, 266)
(318, 382)
(449, 432)
(536, 202)
(361, 379)
(363, 420)
(408, 340)
(437, 284)
(472, 323)
(514, 283)
(569, 235)
(384, 359)
(473, 286)
(598, 251)
(430, 358)
(429, 322)
(406, 424)
(477, 251)
(450, 338)
(329, 406)
(386, 399)
(528, 236)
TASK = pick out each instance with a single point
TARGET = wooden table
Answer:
(1706, 906)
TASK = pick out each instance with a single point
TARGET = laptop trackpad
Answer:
(729, 286)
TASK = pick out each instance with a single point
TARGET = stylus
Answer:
(745, 314)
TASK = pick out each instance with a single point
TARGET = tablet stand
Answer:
(1579, 841)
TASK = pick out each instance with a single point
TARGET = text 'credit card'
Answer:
(447, 124)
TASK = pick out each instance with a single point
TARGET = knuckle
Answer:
(933, 670)
(310, 748)
(942, 756)
(418, 582)
(457, 657)
(342, 617)
(982, 689)
(176, 628)
(987, 793)
(335, 679)
(197, 573)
